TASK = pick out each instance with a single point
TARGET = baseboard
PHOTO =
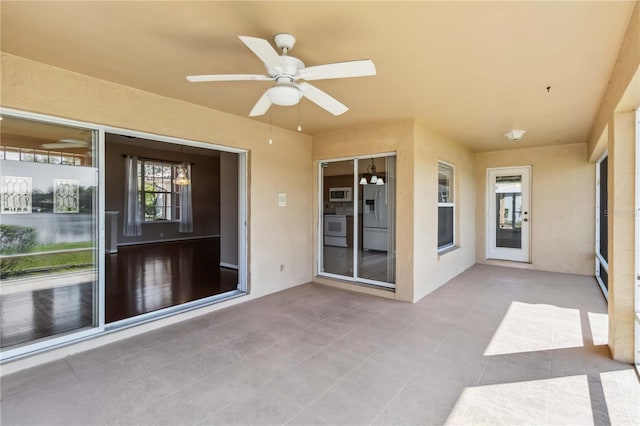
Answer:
(228, 265)
(167, 240)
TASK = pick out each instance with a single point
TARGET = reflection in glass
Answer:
(508, 190)
(337, 217)
(48, 267)
(376, 251)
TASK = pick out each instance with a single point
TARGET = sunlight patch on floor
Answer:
(563, 400)
(622, 394)
(536, 327)
(599, 324)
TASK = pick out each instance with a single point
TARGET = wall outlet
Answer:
(281, 268)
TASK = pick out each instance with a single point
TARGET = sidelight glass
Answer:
(48, 231)
(508, 220)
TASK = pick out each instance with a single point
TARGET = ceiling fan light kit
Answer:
(286, 70)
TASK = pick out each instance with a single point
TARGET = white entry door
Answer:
(508, 213)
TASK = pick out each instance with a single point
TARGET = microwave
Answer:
(340, 194)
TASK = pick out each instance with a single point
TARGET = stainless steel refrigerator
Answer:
(375, 218)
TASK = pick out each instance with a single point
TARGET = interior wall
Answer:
(205, 189)
(394, 136)
(229, 212)
(562, 206)
(431, 269)
(277, 235)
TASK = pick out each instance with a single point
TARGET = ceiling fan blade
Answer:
(228, 77)
(322, 99)
(261, 106)
(361, 68)
(265, 52)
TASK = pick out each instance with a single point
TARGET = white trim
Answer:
(228, 265)
(243, 214)
(102, 283)
(517, 255)
(602, 262)
(167, 240)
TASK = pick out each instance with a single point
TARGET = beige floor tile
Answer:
(258, 408)
(494, 345)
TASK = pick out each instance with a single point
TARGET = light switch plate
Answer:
(282, 199)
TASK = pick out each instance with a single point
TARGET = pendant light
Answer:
(375, 180)
(182, 178)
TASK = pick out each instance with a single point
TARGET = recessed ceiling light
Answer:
(515, 135)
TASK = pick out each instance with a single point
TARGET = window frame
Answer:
(174, 195)
(449, 204)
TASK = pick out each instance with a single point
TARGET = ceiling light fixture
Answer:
(182, 178)
(375, 179)
(515, 135)
(285, 94)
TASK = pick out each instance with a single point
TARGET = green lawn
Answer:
(47, 263)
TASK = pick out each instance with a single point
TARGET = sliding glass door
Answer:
(357, 230)
(48, 232)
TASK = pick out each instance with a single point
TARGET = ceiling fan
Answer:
(286, 70)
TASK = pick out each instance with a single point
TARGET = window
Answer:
(446, 204)
(158, 193)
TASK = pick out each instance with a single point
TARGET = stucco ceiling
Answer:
(467, 70)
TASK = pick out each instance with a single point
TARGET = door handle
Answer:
(525, 220)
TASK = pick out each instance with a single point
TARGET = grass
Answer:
(46, 263)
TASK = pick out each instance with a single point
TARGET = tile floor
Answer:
(493, 346)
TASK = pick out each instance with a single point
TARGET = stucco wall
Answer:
(277, 235)
(433, 270)
(562, 206)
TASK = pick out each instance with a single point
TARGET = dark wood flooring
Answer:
(145, 278)
(139, 279)
(28, 316)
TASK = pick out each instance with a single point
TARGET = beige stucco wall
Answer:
(562, 206)
(277, 235)
(419, 269)
(433, 270)
(614, 130)
(387, 137)
(623, 77)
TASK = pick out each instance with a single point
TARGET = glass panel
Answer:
(508, 190)
(376, 248)
(445, 180)
(337, 213)
(445, 226)
(48, 228)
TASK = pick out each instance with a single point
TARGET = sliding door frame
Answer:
(601, 263)
(99, 302)
(356, 233)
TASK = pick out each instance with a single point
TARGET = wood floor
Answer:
(139, 279)
(145, 278)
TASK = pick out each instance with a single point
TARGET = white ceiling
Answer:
(468, 70)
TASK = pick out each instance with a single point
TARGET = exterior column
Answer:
(621, 223)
